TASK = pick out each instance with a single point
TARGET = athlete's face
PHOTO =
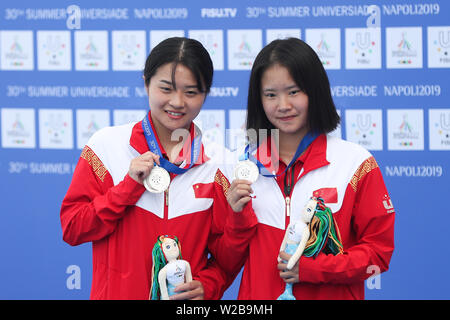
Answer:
(174, 105)
(285, 105)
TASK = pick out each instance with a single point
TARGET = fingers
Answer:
(141, 166)
(189, 291)
(288, 276)
(284, 256)
(149, 156)
(239, 194)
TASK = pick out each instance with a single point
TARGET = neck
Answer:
(288, 144)
(171, 141)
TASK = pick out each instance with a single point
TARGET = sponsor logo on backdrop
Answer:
(18, 128)
(363, 48)
(274, 34)
(404, 47)
(243, 46)
(364, 127)
(156, 36)
(88, 122)
(327, 44)
(55, 129)
(91, 50)
(128, 50)
(54, 50)
(438, 47)
(405, 129)
(128, 115)
(16, 49)
(218, 12)
(439, 128)
(212, 40)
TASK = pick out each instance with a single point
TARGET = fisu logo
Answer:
(363, 44)
(444, 41)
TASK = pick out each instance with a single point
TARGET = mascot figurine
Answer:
(169, 270)
(314, 232)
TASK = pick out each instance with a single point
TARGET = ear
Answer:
(145, 84)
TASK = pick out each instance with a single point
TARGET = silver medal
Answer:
(246, 170)
(158, 180)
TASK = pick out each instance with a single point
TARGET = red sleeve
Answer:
(93, 205)
(372, 226)
(231, 231)
(214, 280)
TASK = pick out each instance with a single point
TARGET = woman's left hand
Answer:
(192, 291)
(288, 276)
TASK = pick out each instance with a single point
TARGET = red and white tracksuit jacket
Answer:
(350, 181)
(105, 206)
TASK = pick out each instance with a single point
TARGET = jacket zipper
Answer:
(288, 189)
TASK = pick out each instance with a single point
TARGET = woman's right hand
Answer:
(141, 166)
(239, 194)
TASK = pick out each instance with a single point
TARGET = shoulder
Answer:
(345, 151)
(110, 136)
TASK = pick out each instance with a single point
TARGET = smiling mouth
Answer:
(286, 118)
(173, 114)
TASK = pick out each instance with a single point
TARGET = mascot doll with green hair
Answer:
(314, 232)
(169, 270)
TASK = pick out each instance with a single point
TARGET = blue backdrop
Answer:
(68, 68)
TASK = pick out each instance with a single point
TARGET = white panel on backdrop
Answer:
(55, 129)
(236, 132)
(54, 50)
(212, 40)
(338, 131)
(125, 116)
(128, 50)
(273, 34)
(88, 122)
(404, 48)
(327, 44)
(212, 124)
(438, 47)
(91, 50)
(439, 127)
(362, 48)
(17, 50)
(365, 127)
(18, 128)
(156, 36)
(405, 129)
(243, 47)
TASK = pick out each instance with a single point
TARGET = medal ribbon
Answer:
(154, 147)
(303, 145)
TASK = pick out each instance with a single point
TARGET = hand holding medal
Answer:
(141, 166)
(245, 173)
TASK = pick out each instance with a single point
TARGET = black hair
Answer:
(307, 71)
(188, 52)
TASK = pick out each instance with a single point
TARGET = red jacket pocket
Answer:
(329, 195)
(203, 190)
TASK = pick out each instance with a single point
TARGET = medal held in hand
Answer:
(158, 180)
(246, 170)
